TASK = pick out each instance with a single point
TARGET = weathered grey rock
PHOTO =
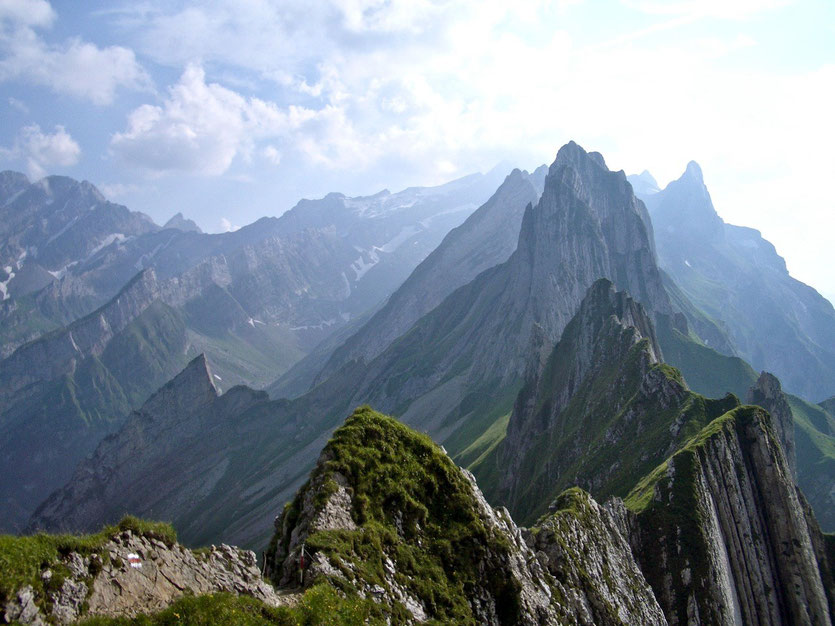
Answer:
(113, 587)
(23, 608)
(768, 393)
(724, 537)
(586, 225)
(583, 549)
(584, 415)
(574, 568)
(167, 573)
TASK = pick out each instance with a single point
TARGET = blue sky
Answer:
(227, 111)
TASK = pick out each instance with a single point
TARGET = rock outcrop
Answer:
(469, 354)
(129, 573)
(722, 534)
(387, 514)
(768, 393)
(580, 544)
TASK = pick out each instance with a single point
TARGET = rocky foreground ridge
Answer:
(389, 530)
(132, 568)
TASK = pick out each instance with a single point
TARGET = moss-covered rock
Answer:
(388, 514)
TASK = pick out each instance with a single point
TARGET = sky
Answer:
(230, 110)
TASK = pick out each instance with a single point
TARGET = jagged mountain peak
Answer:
(573, 153)
(179, 222)
(644, 184)
(604, 303)
(693, 172)
(583, 202)
(187, 391)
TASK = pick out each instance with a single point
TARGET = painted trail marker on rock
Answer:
(134, 560)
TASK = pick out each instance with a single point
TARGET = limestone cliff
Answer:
(723, 535)
(768, 393)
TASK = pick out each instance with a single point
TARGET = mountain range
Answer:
(549, 354)
(125, 304)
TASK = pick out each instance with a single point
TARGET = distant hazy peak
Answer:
(644, 183)
(693, 172)
(181, 223)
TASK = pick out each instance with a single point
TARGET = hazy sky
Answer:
(229, 110)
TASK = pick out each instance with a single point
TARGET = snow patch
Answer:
(403, 235)
(106, 242)
(470, 206)
(59, 274)
(687, 263)
(216, 376)
(380, 205)
(4, 286)
(360, 267)
(347, 286)
(252, 322)
(318, 326)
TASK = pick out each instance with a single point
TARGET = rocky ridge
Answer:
(768, 393)
(445, 553)
(487, 238)
(128, 573)
(465, 360)
(599, 412)
(164, 451)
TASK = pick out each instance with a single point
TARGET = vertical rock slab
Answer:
(721, 533)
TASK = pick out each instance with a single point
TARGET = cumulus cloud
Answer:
(40, 150)
(28, 12)
(201, 127)
(74, 66)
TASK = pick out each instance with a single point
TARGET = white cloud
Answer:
(201, 127)
(40, 150)
(75, 67)
(271, 154)
(428, 88)
(226, 226)
(28, 12)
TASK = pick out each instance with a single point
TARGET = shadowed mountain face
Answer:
(732, 274)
